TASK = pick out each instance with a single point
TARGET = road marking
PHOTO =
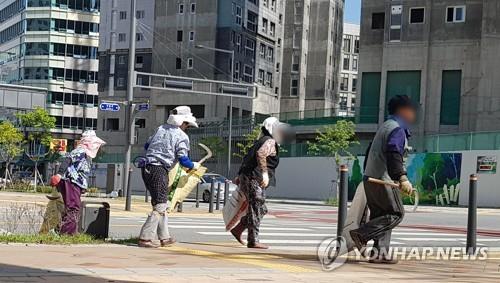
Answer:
(261, 260)
(222, 227)
(446, 239)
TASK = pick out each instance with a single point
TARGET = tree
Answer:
(37, 125)
(11, 140)
(334, 141)
(247, 143)
(216, 144)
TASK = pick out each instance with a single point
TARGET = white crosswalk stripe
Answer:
(304, 236)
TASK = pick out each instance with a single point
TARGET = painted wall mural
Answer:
(436, 176)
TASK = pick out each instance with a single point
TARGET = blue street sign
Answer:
(113, 107)
(143, 107)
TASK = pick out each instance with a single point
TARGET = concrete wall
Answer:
(304, 178)
(488, 190)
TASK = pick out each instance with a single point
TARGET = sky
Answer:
(352, 12)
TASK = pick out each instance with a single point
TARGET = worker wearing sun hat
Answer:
(169, 145)
(72, 179)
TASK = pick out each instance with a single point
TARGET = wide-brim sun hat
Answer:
(180, 115)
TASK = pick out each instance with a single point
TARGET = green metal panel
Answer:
(370, 97)
(450, 97)
(403, 83)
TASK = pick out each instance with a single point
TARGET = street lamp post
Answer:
(84, 104)
(230, 134)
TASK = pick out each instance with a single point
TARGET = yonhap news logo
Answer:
(332, 253)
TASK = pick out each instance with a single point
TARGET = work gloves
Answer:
(54, 180)
(405, 185)
(265, 180)
(196, 166)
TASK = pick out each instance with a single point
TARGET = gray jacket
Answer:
(167, 145)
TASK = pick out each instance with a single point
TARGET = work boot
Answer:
(357, 239)
(167, 242)
(147, 244)
(257, 246)
(237, 231)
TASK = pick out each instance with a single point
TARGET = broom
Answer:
(182, 183)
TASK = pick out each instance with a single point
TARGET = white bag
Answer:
(357, 214)
(235, 208)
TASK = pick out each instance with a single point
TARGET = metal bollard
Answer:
(472, 215)
(179, 207)
(217, 200)
(211, 198)
(198, 195)
(226, 192)
(342, 201)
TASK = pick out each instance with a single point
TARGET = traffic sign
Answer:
(113, 107)
(143, 107)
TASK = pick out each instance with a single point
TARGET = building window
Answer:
(250, 48)
(190, 63)
(355, 63)
(269, 79)
(343, 103)
(344, 82)
(347, 62)
(237, 70)
(262, 50)
(191, 36)
(252, 21)
(122, 59)
(270, 53)
(123, 15)
(139, 59)
(294, 87)
(248, 74)
(179, 35)
(178, 63)
(378, 20)
(356, 45)
(295, 63)
(193, 8)
(140, 123)
(181, 9)
(120, 82)
(238, 15)
(354, 85)
(455, 14)
(417, 15)
(112, 124)
(260, 79)
(297, 39)
(122, 37)
(347, 44)
(238, 42)
(140, 14)
(272, 30)
(139, 37)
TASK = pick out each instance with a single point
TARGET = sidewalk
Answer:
(215, 263)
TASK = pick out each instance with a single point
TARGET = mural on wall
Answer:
(435, 175)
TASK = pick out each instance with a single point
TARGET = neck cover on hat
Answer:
(180, 115)
(90, 143)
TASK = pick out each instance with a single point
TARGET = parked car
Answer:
(204, 187)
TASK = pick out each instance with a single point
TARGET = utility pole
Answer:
(129, 123)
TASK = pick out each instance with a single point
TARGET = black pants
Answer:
(257, 208)
(156, 181)
(386, 212)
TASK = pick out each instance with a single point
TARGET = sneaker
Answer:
(257, 246)
(147, 244)
(168, 242)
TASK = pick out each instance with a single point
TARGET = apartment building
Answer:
(313, 38)
(348, 81)
(444, 54)
(53, 45)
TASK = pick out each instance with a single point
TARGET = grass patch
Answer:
(127, 241)
(332, 201)
(50, 239)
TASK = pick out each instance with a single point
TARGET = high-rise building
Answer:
(113, 65)
(444, 54)
(53, 45)
(349, 70)
(186, 33)
(313, 38)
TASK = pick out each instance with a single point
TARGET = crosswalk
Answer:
(292, 235)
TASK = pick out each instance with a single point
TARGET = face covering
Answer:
(90, 143)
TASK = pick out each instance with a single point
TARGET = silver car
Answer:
(206, 183)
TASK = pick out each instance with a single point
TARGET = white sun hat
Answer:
(180, 115)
